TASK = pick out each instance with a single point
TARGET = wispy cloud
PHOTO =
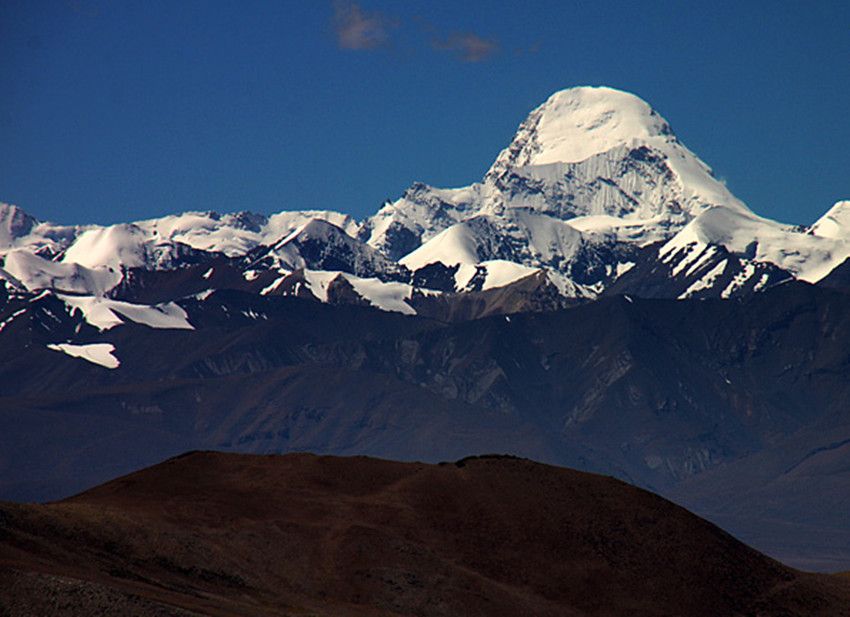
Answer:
(467, 46)
(357, 29)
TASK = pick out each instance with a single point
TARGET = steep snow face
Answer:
(835, 223)
(634, 185)
(628, 230)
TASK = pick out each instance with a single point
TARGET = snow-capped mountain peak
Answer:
(574, 124)
(583, 123)
(592, 177)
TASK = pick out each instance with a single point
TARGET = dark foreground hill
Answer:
(224, 534)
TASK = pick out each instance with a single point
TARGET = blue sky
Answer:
(124, 110)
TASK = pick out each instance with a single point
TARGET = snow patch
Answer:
(706, 281)
(105, 314)
(500, 273)
(761, 283)
(738, 280)
(203, 295)
(272, 286)
(96, 353)
(386, 296)
(319, 281)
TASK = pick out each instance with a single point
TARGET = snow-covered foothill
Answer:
(521, 236)
(37, 273)
(500, 273)
(320, 245)
(386, 295)
(807, 256)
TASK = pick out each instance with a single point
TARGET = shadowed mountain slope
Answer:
(673, 396)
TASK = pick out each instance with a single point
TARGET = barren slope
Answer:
(224, 534)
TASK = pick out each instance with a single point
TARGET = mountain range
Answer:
(599, 300)
(594, 195)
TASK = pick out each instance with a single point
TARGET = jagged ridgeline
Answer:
(594, 195)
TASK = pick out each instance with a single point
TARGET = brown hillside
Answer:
(223, 534)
